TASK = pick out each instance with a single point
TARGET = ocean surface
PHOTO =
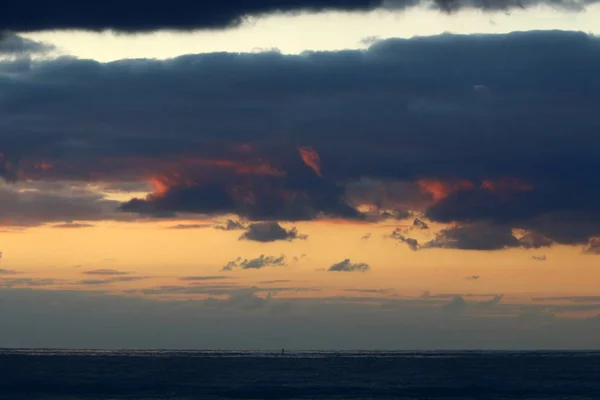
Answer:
(91, 374)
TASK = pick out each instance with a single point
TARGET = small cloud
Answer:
(492, 302)
(366, 236)
(270, 232)
(457, 304)
(371, 291)
(205, 278)
(539, 258)
(417, 223)
(297, 259)
(30, 282)
(105, 271)
(189, 226)
(8, 272)
(472, 278)
(230, 225)
(347, 266)
(397, 234)
(111, 280)
(533, 240)
(259, 262)
(72, 225)
(275, 281)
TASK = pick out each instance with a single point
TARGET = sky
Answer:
(339, 174)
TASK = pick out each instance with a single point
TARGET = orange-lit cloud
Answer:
(311, 158)
(439, 189)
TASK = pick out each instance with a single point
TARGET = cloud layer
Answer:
(139, 15)
(495, 130)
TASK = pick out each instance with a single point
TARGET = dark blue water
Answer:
(54, 374)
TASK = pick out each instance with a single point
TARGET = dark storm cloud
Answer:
(139, 15)
(105, 271)
(259, 262)
(409, 117)
(11, 44)
(270, 232)
(348, 266)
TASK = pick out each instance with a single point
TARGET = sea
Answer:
(182, 375)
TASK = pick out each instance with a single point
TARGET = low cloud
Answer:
(231, 225)
(205, 278)
(271, 232)
(72, 225)
(8, 272)
(472, 278)
(111, 280)
(457, 304)
(28, 282)
(371, 291)
(347, 266)
(259, 262)
(492, 302)
(539, 258)
(105, 271)
(574, 299)
(189, 226)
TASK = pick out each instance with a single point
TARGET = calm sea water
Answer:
(89, 374)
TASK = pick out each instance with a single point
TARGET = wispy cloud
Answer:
(259, 262)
